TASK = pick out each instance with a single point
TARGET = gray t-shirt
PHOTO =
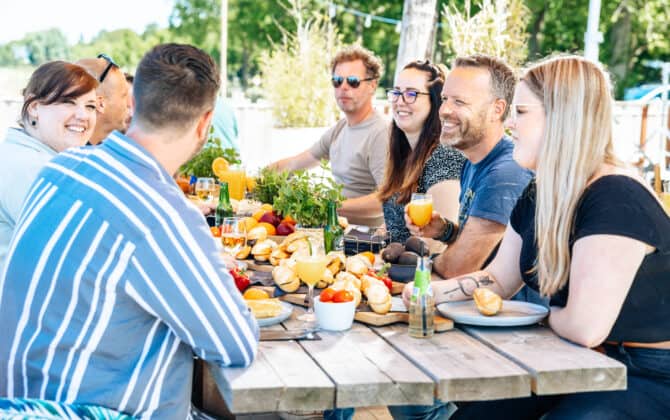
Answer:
(357, 154)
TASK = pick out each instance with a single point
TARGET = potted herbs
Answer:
(201, 164)
(305, 197)
(268, 183)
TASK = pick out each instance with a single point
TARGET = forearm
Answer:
(461, 288)
(364, 206)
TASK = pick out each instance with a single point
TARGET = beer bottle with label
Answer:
(333, 234)
(224, 208)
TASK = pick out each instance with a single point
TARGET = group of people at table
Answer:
(110, 280)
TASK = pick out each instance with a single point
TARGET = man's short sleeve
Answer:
(498, 191)
(321, 149)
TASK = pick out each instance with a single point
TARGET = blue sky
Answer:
(79, 17)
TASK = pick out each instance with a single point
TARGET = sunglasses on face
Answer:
(352, 81)
(110, 64)
(408, 96)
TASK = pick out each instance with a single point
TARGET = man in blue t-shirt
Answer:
(475, 103)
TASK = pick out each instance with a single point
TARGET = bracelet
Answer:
(448, 231)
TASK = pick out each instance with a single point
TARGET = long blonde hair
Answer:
(578, 104)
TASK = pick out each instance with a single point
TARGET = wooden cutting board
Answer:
(366, 316)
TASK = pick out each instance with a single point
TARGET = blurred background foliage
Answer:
(634, 31)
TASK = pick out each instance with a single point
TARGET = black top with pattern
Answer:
(443, 164)
(614, 205)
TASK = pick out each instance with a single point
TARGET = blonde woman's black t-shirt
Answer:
(614, 205)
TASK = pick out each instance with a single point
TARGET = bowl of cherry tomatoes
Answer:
(335, 309)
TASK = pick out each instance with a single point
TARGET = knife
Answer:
(282, 335)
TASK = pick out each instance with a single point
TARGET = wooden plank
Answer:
(556, 365)
(463, 368)
(282, 377)
(367, 371)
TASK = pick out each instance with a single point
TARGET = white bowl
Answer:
(333, 316)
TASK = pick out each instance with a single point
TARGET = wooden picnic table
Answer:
(375, 366)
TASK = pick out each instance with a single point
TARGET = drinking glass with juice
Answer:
(420, 209)
(236, 178)
(310, 269)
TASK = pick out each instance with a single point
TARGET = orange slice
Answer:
(219, 166)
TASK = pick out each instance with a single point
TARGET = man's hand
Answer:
(433, 229)
(207, 208)
(407, 294)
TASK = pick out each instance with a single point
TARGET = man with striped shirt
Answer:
(113, 281)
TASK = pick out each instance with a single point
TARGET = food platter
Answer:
(285, 313)
(512, 314)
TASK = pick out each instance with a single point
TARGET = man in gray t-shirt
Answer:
(357, 145)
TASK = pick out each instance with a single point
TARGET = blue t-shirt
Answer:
(491, 187)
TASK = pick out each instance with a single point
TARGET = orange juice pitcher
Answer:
(420, 209)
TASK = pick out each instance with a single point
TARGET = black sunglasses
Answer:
(110, 63)
(353, 81)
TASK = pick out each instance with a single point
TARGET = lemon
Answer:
(255, 294)
(219, 166)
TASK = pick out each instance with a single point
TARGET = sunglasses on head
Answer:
(352, 81)
(110, 63)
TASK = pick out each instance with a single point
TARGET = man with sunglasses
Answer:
(113, 94)
(358, 143)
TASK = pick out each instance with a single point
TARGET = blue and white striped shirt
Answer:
(113, 281)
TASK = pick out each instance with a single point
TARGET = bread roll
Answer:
(488, 302)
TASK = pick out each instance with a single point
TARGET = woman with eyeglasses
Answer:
(590, 234)
(417, 161)
(58, 112)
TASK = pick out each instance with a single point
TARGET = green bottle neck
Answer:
(224, 198)
(332, 214)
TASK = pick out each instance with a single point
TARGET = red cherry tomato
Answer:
(343, 296)
(327, 294)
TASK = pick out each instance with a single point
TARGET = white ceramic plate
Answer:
(286, 310)
(513, 313)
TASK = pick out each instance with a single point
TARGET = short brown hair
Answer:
(503, 79)
(174, 84)
(56, 82)
(373, 65)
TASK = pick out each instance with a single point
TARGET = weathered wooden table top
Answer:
(373, 366)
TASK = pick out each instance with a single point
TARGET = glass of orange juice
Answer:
(420, 209)
(310, 269)
(236, 178)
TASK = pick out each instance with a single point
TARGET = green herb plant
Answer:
(201, 164)
(268, 183)
(305, 197)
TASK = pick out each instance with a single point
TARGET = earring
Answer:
(33, 123)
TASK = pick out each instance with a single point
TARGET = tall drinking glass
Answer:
(205, 188)
(236, 178)
(420, 209)
(310, 269)
(233, 235)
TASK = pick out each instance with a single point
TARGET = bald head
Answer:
(112, 95)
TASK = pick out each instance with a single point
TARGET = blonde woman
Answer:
(602, 249)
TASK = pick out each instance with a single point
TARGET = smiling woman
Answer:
(58, 112)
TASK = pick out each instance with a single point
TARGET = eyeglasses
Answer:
(514, 111)
(353, 81)
(110, 63)
(408, 96)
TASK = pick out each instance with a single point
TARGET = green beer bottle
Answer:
(333, 234)
(224, 208)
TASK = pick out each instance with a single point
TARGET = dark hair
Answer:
(174, 85)
(56, 82)
(373, 65)
(503, 79)
(404, 166)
